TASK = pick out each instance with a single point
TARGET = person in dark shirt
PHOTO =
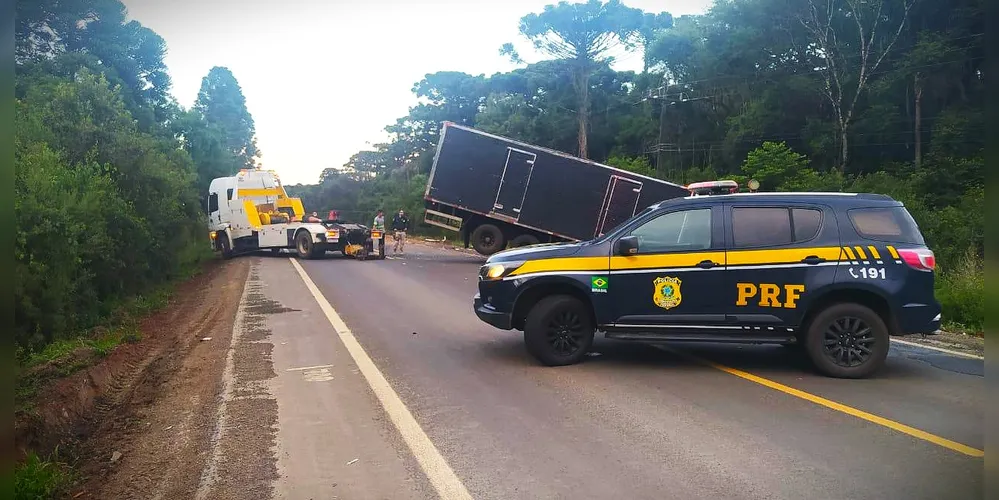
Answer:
(400, 225)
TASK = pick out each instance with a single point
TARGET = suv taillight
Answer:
(921, 259)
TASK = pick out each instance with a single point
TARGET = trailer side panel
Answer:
(536, 187)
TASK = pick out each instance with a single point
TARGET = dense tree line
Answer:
(109, 169)
(879, 96)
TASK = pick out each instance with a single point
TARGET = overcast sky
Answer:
(323, 78)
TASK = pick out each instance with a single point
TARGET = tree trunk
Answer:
(844, 155)
(918, 111)
(583, 92)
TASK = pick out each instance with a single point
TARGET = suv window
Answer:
(774, 226)
(761, 226)
(886, 224)
(675, 232)
(806, 223)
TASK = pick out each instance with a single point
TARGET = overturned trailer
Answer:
(495, 191)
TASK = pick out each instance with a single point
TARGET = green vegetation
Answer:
(109, 174)
(37, 479)
(779, 91)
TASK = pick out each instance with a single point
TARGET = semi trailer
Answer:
(496, 191)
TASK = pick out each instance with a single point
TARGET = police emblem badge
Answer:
(667, 292)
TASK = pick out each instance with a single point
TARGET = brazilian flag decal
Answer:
(598, 284)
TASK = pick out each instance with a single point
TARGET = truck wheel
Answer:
(558, 330)
(224, 243)
(487, 239)
(304, 245)
(847, 341)
(524, 240)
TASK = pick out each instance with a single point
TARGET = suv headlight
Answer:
(498, 271)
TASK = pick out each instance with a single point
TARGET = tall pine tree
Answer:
(222, 105)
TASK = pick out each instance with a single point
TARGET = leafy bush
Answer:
(103, 211)
(961, 292)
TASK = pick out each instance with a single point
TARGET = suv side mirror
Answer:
(627, 245)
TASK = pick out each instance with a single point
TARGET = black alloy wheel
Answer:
(565, 332)
(559, 330)
(847, 342)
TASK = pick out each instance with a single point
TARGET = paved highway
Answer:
(387, 386)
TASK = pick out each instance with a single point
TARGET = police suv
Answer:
(835, 273)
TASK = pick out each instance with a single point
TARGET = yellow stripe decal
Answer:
(656, 261)
(599, 264)
(860, 253)
(781, 256)
(892, 251)
(849, 253)
(248, 192)
(874, 252)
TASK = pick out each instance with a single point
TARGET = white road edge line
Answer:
(440, 474)
(209, 475)
(941, 349)
(303, 368)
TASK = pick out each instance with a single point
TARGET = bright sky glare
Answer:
(323, 79)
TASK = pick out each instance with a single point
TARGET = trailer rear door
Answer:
(513, 184)
(620, 203)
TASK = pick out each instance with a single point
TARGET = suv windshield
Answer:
(886, 224)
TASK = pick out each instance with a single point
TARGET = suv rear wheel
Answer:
(558, 330)
(847, 341)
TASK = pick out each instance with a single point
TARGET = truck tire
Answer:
(224, 243)
(558, 330)
(487, 239)
(304, 246)
(524, 240)
(857, 341)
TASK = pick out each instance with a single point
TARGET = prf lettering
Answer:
(769, 294)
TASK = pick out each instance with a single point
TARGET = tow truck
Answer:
(251, 211)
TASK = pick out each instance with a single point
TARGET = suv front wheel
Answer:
(847, 341)
(558, 330)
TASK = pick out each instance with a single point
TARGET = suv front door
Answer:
(673, 279)
(776, 255)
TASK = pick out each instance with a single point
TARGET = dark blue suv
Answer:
(835, 273)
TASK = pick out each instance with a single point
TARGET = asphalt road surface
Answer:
(388, 386)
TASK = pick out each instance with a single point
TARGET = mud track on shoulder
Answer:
(139, 423)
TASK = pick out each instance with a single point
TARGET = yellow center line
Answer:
(849, 410)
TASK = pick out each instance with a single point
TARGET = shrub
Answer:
(961, 292)
(37, 479)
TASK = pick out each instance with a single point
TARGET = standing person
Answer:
(400, 224)
(379, 222)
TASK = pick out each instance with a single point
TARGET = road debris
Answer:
(352, 462)
(116, 456)
(205, 339)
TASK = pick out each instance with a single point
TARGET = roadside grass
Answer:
(66, 356)
(961, 292)
(41, 479)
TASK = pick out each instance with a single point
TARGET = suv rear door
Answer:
(776, 254)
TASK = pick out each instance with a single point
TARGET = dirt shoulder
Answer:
(139, 419)
(959, 342)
